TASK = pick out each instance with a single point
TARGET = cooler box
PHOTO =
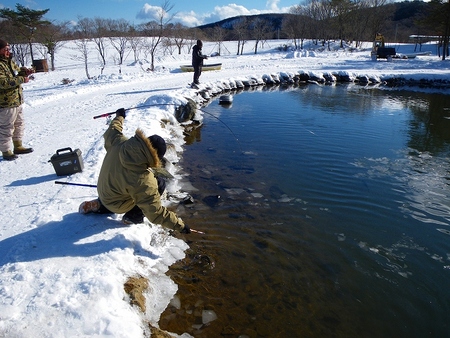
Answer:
(67, 162)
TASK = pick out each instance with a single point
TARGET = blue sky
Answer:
(189, 12)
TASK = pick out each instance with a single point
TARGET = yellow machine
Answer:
(379, 41)
(379, 51)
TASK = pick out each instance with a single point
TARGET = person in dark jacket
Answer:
(12, 124)
(128, 182)
(197, 60)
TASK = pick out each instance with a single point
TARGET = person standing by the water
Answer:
(197, 61)
(11, 100)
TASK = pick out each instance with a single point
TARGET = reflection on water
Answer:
(332, 221)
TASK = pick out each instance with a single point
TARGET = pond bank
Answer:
(205, 91)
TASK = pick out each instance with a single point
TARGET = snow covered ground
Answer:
(62, 274)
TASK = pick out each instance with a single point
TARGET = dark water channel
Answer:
(333, 218)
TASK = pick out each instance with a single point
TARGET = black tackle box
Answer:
(67, 161)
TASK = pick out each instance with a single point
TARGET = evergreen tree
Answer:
(27, 21)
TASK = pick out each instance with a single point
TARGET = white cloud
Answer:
(192, 19)
(231, 10)
(149, 12)
(272, 5)
(189, 19)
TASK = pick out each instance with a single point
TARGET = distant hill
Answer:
(403, 22)
(275, 21)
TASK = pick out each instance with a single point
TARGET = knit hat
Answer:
(3, 44)
(159, 144)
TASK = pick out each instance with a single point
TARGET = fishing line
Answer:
(175, 104)
(235, 137)
(154, 105)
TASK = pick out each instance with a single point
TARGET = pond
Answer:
(326, 212)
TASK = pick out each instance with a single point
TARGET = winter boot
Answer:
(134, 216)
(20, 149)
(89, 206)
(9, 155)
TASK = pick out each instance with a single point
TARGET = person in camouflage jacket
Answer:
(127, 182)
(11, 99)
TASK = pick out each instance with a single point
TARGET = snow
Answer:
(63, 273)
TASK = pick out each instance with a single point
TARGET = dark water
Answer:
(333, 217)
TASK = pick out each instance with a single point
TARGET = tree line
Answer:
(32, 37)
(349, 21)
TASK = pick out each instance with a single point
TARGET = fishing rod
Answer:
(144, 106)
(174, 104)
(77, 184)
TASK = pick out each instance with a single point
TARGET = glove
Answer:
(186, 230)
(24, 71)
(120, 112)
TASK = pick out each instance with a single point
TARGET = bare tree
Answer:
(99, 36)
(358, 23)
(136, 43)
(296, 25)
(151, 41)
(83, 37)
(155, 30)
(178, 34)
(341, 11)
(261, 29)
(52, 38)
(439, 19)
(21, 53)
(168, 45)
(319, 11)
(119, 30)
(240, 31)
(377, 16)
(218, 36)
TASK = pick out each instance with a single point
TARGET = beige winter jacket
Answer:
(125, 179)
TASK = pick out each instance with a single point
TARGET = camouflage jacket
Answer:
(11, 94)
